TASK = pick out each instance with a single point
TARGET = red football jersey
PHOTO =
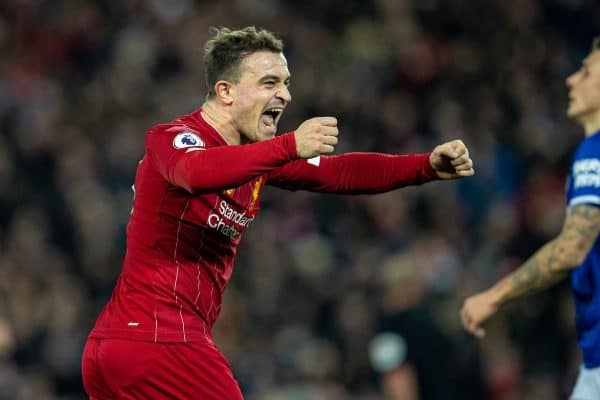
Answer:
(194, 196)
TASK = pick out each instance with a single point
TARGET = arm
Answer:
(353, 173)
(215, 168)
(547, 266)
(366, 173)
(199, 169)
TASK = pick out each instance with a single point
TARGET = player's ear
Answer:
(223, 91)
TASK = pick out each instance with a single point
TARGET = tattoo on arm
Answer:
(554, 260)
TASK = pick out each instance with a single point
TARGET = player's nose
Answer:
(571, 79)
(284, 94)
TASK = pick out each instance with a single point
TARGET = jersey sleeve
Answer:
(584, 178)
(181, 156)
(354, 173)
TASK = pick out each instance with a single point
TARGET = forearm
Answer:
(376, 173)
(355, 173)
(549, 265)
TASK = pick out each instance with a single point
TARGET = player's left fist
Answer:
(451, 160)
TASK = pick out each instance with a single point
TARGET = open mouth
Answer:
(271, 116)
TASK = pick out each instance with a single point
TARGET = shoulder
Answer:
(188, 130)
(181, 133)
(590, 146)
(179, 136)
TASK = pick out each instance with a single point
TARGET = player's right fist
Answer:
(316, 136)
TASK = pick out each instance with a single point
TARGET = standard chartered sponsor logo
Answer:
(586, 173)
(228, 212)
(228, 221)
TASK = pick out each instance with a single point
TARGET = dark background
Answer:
(318, 276)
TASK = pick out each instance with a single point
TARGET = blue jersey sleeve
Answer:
(583, 184)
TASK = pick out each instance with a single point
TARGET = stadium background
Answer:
(318, 276)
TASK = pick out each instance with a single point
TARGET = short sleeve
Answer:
(583, 185)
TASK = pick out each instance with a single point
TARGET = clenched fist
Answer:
(316, 136)
(451, 160)
(476, 310)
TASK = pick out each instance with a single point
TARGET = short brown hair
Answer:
(224, 52)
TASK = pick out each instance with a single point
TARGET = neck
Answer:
(591, 123)
(220, 119)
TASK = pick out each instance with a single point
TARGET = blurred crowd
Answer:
(333, 297)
